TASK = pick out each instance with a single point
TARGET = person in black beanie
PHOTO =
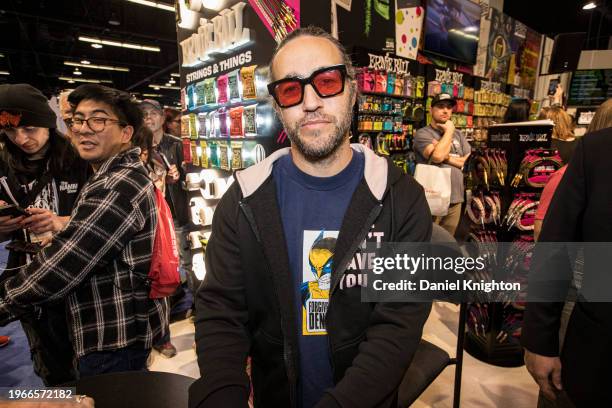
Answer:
(41, 172)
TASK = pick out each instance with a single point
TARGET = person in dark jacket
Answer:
(580, 211)
(169, 149)
(40, 169)
(99, 262)
(284, 237)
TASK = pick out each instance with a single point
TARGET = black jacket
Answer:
(66, 187)
(172, 148)
(581, 211)
(245, 305)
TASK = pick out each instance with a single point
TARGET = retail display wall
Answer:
(228, 121)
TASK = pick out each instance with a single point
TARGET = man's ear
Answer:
(126, 134)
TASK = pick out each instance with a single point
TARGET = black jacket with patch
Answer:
(245, 305)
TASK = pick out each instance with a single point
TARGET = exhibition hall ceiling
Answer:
(38, 37)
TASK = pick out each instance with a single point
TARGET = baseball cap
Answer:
(153, 103)
(443, 97)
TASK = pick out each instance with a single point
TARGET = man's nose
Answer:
(20, 137)
(311, 101)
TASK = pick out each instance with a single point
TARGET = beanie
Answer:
(24, 105)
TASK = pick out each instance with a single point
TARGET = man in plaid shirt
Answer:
(98, 262)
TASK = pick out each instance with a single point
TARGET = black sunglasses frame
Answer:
(306, 81)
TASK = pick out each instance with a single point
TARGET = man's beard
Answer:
(318, 152)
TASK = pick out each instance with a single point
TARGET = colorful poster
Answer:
(498, 56)
(483, 41)
(408, 27)
(317, 263)
(517, 44)
(530, 58)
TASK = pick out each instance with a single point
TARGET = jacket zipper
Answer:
(360, 237)
(286, 346)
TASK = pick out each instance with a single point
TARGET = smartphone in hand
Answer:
(13, 211)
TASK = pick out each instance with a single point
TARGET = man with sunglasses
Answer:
(286, 235)
(98, 262)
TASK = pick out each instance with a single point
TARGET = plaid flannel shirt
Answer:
(93, 263)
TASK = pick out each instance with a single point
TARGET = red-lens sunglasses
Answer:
(326, 82)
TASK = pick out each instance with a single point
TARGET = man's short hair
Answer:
(122, 103)
(318, 32)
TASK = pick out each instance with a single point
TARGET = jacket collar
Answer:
(127, 158)
(375, 172)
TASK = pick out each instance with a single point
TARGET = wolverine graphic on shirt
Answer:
(319, 247)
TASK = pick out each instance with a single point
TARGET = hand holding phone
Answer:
(43, 221)
(13, 210)
(11, 217)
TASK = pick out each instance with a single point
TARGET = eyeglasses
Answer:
(96, 124)
(326, 82)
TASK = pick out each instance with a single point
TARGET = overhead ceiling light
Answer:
(76, 72)
(157, 87)
(589, 6)
(175, 74)
(172, 81)
(84, 62)
(1, 55)
(148, 95)
(5, 73)
(71, 82)
(96, 45)
(156, 4)
(92, 81)
(119, 44)
(94, 66)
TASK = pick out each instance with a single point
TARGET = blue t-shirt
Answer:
(312, 210)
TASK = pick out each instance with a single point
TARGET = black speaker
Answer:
(566, 52)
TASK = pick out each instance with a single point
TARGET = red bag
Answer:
(164, 273)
